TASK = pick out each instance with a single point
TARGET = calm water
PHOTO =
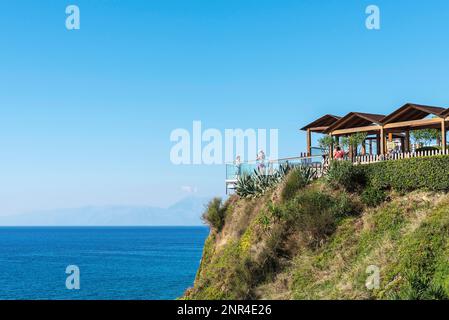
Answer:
(115, 263)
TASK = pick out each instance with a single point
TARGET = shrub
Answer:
(426, 173)
(404, 175)
(316, 213)
(345, 174)
(428, 148)
(372, 196)
(215, 214)
(296, 180)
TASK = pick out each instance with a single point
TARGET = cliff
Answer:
(332, 238)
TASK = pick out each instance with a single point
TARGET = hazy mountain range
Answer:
(186, 212)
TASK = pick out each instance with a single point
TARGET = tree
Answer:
(353, 141)
(326, 143)
(425, 136)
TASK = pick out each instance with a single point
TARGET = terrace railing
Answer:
(396, 156)
(317, 162)
(233, 171)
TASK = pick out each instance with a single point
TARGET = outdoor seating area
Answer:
(382, 137)
(413, 130)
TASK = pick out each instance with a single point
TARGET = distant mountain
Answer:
(186, 212)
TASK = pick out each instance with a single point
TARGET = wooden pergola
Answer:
(397, 124)
(414, 117)
(320, 125)
(355, 122)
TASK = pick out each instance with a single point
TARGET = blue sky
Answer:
(86, 116)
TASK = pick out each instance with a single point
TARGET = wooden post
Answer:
(363, 151)
(382, 141)
(378, 146)
(443, 135)
(407, 140)
(309, 143)
(370, 143)
(331, 148)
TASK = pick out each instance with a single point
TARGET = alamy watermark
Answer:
(72, 21)
(372, 22)
(373, 280)
(213, 146)
(72, 281)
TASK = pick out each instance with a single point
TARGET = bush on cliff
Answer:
(404, 175)
(215, 214)
(296, 180)
(426, 173)
(315, 214)
(343, 174)
(372, 196)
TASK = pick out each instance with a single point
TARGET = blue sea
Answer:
(114, 262)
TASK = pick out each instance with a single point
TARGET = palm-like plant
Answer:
(257, 183)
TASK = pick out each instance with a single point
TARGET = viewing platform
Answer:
(361, 138)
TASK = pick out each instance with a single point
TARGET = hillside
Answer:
(186, 212)
(323, 239)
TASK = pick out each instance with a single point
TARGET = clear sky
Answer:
(86, 115)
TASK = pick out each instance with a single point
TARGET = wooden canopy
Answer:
(356, 122)
(322, 123)
(411, 112)
(410, 116)
(445, 113)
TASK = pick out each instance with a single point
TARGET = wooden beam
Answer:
(309, 142)
(318, 129)
(413, 123)
(355, 130)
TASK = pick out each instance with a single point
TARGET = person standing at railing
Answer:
(261, 162)
(238, 165)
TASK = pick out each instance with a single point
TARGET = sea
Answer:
(98, 263)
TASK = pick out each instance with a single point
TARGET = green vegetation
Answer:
(342, 174)
(215, 214)
(315, 214)
(296, 180)
(354, 140)
(372, 196)
(326, 142)
(427, 173)
(318, 240)
(257, 183)
(425, 137)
